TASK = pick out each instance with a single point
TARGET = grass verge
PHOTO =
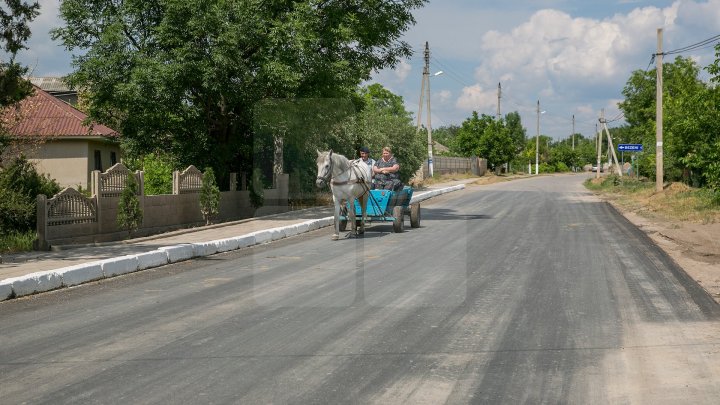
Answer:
(676, 201)
(14, 241)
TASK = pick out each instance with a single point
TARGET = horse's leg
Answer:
(336, 202)
(363, 207)
(352, 215)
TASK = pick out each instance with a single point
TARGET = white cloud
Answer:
(474, 98)
(402, 71)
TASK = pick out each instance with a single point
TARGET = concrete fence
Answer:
(70, 217)
(446, 165)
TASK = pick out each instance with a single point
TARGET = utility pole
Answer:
(598, 148)
(537, 139)
(659, 114)
(573, 134)
(425, 91)
(498, 103)
(611, 147)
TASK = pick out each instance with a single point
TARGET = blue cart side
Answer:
(387, 205)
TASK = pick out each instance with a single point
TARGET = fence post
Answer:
(176, 182)
(95, 180)
(233, 182)
(243, 181)
(140, 179)
(41, 228)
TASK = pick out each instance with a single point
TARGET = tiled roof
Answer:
(42, 115)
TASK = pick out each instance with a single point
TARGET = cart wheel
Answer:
(343, 225)
(415, 215)
(398, 221)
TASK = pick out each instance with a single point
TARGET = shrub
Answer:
(129, 215)
(20, 183)
(209, 196)
(257, 190)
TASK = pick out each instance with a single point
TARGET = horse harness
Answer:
(328, 175)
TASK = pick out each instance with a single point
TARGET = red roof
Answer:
(42, 115)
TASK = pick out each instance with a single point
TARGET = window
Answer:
(113, 159)
(98, 160)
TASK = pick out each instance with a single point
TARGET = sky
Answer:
(573, 56)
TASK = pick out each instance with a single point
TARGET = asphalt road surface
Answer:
(530, 291)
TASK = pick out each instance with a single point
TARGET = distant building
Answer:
(56, 87)
(53, 134)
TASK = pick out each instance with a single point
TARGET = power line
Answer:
(698, 45)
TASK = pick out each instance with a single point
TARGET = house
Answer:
(56, 87)
(55, 136)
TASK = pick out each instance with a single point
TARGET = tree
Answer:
(467, 140)
(15, 18)
(209, 196)
(129, 215)
(516, 131)
(496, 145)
(383, 121)
(184, 76)
(690, 108)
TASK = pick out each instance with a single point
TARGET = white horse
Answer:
(349, 181)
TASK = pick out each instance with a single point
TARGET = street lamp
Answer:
(537, 138)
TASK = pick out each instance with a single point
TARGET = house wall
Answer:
(64, 161)
(69, 161)
(106, 149)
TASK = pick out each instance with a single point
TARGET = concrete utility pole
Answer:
(537, 139)
(573, 134)
(425, 91)
(498, 104)
(611, 147)
(659, 114)
(598, 147)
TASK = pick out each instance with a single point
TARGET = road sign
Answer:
(630, 147)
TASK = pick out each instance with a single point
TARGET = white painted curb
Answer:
(86, 272)
(119, 265)
(81, 273)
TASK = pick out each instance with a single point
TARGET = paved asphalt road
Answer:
(530, 291)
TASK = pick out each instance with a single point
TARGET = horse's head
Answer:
(325, 168)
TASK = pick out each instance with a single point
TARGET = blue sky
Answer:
(573, 56)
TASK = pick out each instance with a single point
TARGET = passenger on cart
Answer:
(386, 170)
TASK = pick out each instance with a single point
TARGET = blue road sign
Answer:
(630, 147)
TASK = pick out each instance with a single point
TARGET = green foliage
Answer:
(158, 174)
(209, 196)
(691, 128)
(445, 136)
(15, 18)
(383, 121)
(545, 167)
(467, 140)
(20, 183)
(184, 76)
(496, 145)
(129, 215)
(16, 241)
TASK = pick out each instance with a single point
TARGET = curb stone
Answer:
(96, 270)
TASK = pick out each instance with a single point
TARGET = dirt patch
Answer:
(690, 236)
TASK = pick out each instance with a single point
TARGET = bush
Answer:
(546, 168)
(129, 215)
(209, 196)
(561, 167)
(20, 184)
(257, 190)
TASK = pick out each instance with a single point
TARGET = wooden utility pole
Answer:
(659, 114)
